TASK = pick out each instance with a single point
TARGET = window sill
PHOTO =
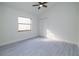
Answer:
(23, 30)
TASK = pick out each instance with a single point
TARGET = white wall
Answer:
(60, 22)
(8, 25)
(78, 24)
(1, 20)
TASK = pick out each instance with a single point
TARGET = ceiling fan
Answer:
(41, 4)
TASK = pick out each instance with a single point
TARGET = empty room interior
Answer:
(39, 28)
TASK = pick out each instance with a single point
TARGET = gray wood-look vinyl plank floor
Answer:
(39, 47)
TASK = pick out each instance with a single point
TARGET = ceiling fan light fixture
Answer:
(40, 5)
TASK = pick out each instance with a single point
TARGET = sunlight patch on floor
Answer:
(51, 36)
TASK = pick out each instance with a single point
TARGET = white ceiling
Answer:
(27, 6)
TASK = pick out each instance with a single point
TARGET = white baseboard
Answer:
(7, 43)
(71, 42)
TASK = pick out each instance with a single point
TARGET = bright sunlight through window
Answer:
(24, 24)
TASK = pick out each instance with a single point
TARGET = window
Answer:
(24, 24)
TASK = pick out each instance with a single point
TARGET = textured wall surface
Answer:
(61, 20)
(9, 25)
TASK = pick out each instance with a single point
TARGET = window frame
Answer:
(24, 24)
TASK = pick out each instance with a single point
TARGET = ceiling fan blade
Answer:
(39, 2)
(39, 7)
(44, 6)
(35, 5)
(45, 2)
